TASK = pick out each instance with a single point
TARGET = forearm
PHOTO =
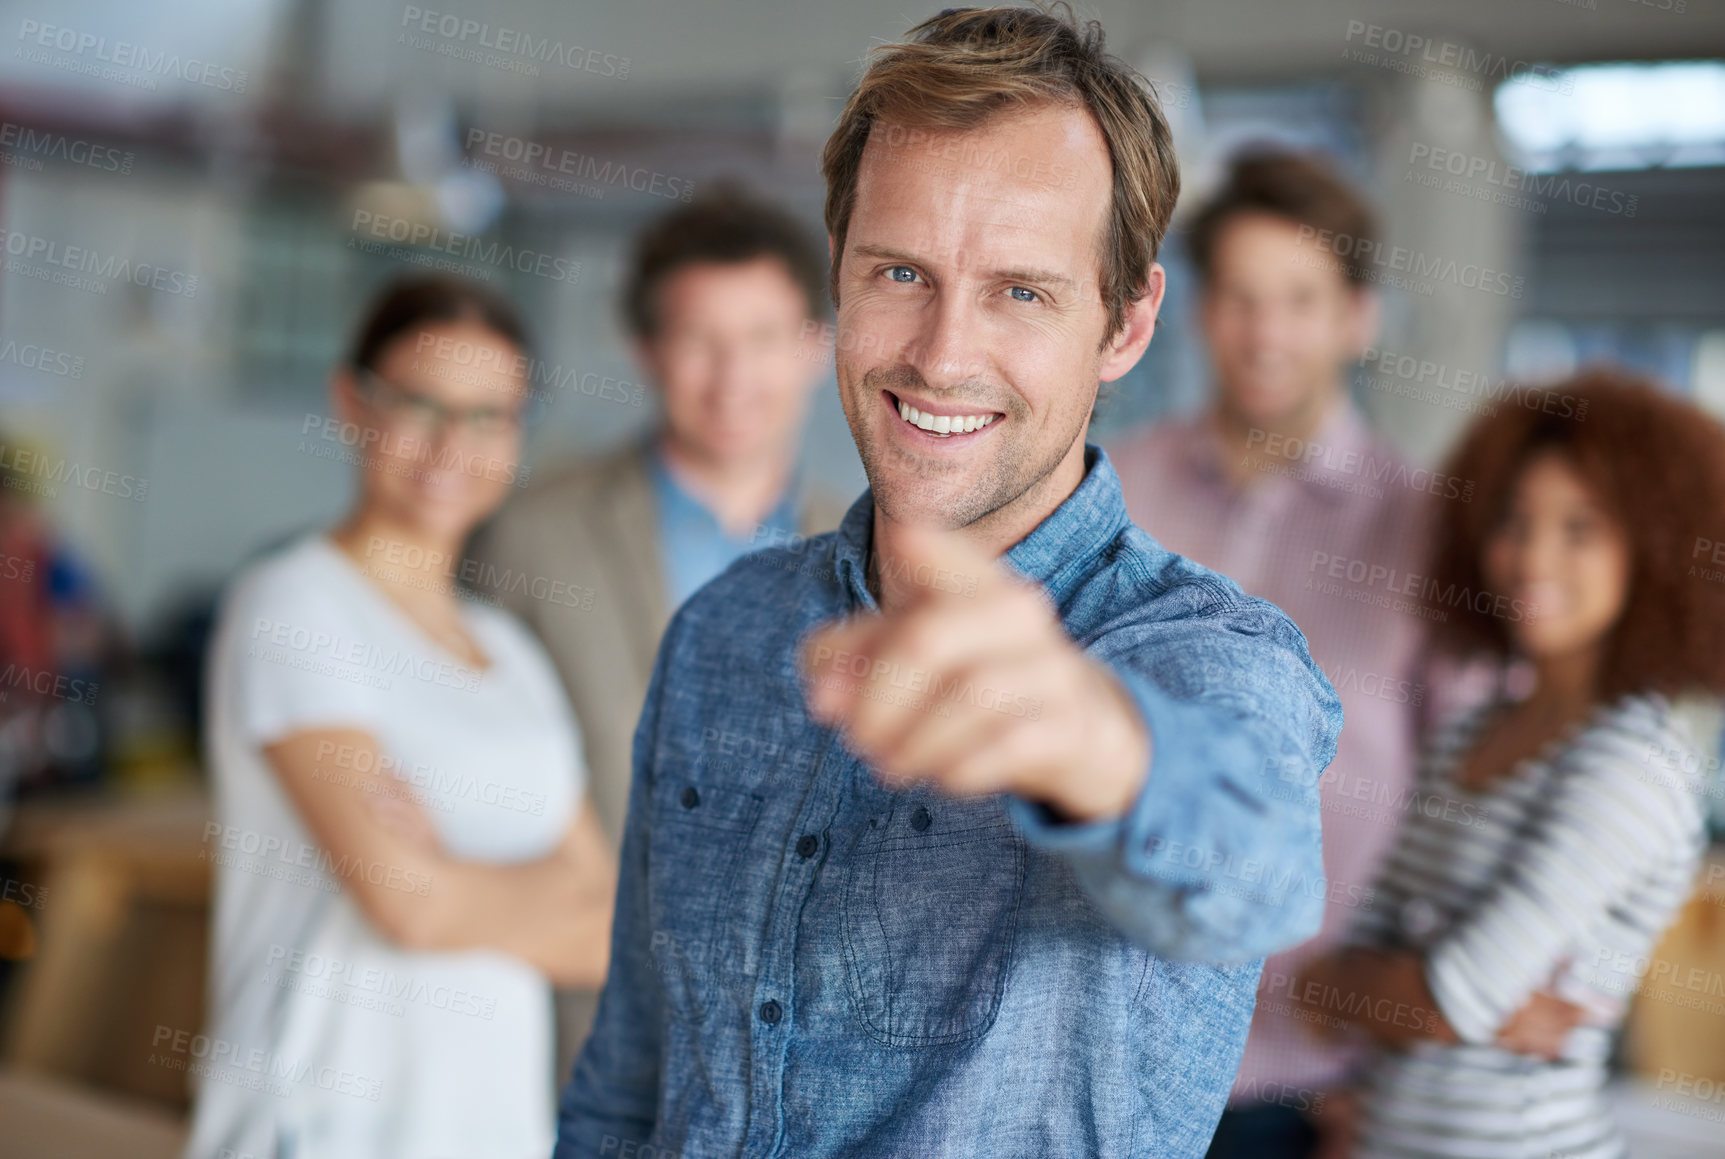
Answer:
(553, 911)
(1385, 995)
(543, 912)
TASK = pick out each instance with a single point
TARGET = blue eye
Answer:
(1020, 294)
(894, 272)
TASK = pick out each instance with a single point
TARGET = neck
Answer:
(1566, 686)
(740, 493)
(414, 565)
(995, 533)
(1247, 441)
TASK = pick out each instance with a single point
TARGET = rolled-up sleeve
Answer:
(1219, 857)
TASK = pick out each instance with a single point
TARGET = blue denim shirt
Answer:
(806, 964)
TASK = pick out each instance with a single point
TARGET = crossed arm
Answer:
(1393, 1004)
(1604, 826)
(553, 912)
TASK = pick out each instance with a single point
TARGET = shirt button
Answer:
(920, 819)
(690, 798)
(771, 1012)
(807, 844)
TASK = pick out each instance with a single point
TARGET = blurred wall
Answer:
(254, 134)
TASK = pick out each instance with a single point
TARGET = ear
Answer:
(1365, 312)
(344, 401)
(646, 357)
(1125, 349)
(833, 263)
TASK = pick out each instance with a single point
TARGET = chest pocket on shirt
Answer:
(698, 835)
(931, 901)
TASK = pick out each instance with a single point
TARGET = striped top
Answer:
(1560, 875)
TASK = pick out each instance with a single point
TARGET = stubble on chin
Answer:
(935, 488)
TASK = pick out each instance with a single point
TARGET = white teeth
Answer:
(942, 424)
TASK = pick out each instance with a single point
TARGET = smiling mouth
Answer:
(940, 426)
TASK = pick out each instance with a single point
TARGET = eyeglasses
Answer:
(423, 415)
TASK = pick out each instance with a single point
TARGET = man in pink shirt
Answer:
(1280, 485)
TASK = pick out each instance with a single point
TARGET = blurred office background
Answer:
(231, 173)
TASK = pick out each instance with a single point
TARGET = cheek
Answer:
(1498, 563)
(776, 376)
(682, 397)
(1315, 338)
(1049, 366)
(870, 336)
(1604, 574)
(491, 490)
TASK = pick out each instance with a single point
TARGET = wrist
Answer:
(1112, 769)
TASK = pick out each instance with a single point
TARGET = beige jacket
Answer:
(577, 558)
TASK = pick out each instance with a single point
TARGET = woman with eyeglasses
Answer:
(405, 859)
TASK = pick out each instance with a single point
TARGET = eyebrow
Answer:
(1021, 274)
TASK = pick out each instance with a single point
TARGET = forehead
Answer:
(735, 292)
(1264, 247)
(1551, 473)
(1024, 188)
(458, 362)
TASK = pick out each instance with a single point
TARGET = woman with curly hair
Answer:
(1553, 836)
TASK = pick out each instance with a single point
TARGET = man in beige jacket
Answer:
(724, 299)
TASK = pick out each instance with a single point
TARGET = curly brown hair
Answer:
(1657, 466)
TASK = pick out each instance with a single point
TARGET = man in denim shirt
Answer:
(963, 831)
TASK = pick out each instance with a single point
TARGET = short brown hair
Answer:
(411, 302)
(1300, 188)
(1657, 465)
(960, 68)
(725, 225)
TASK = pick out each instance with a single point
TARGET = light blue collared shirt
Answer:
(693, 547)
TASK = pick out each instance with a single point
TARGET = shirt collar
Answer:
(1054, 554)
(674, 494)
(1344, 436)
(1346, 443)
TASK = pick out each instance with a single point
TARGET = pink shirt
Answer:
(1302, 536)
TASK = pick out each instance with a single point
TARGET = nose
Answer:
(446, 429)
(445, 446)
(1262, 327)
(1537, 554)
(947, 346)
(732, 378)
(730, 364)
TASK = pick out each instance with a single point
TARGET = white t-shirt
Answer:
(325, 1041)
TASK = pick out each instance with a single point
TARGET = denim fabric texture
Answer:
(806, 964)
